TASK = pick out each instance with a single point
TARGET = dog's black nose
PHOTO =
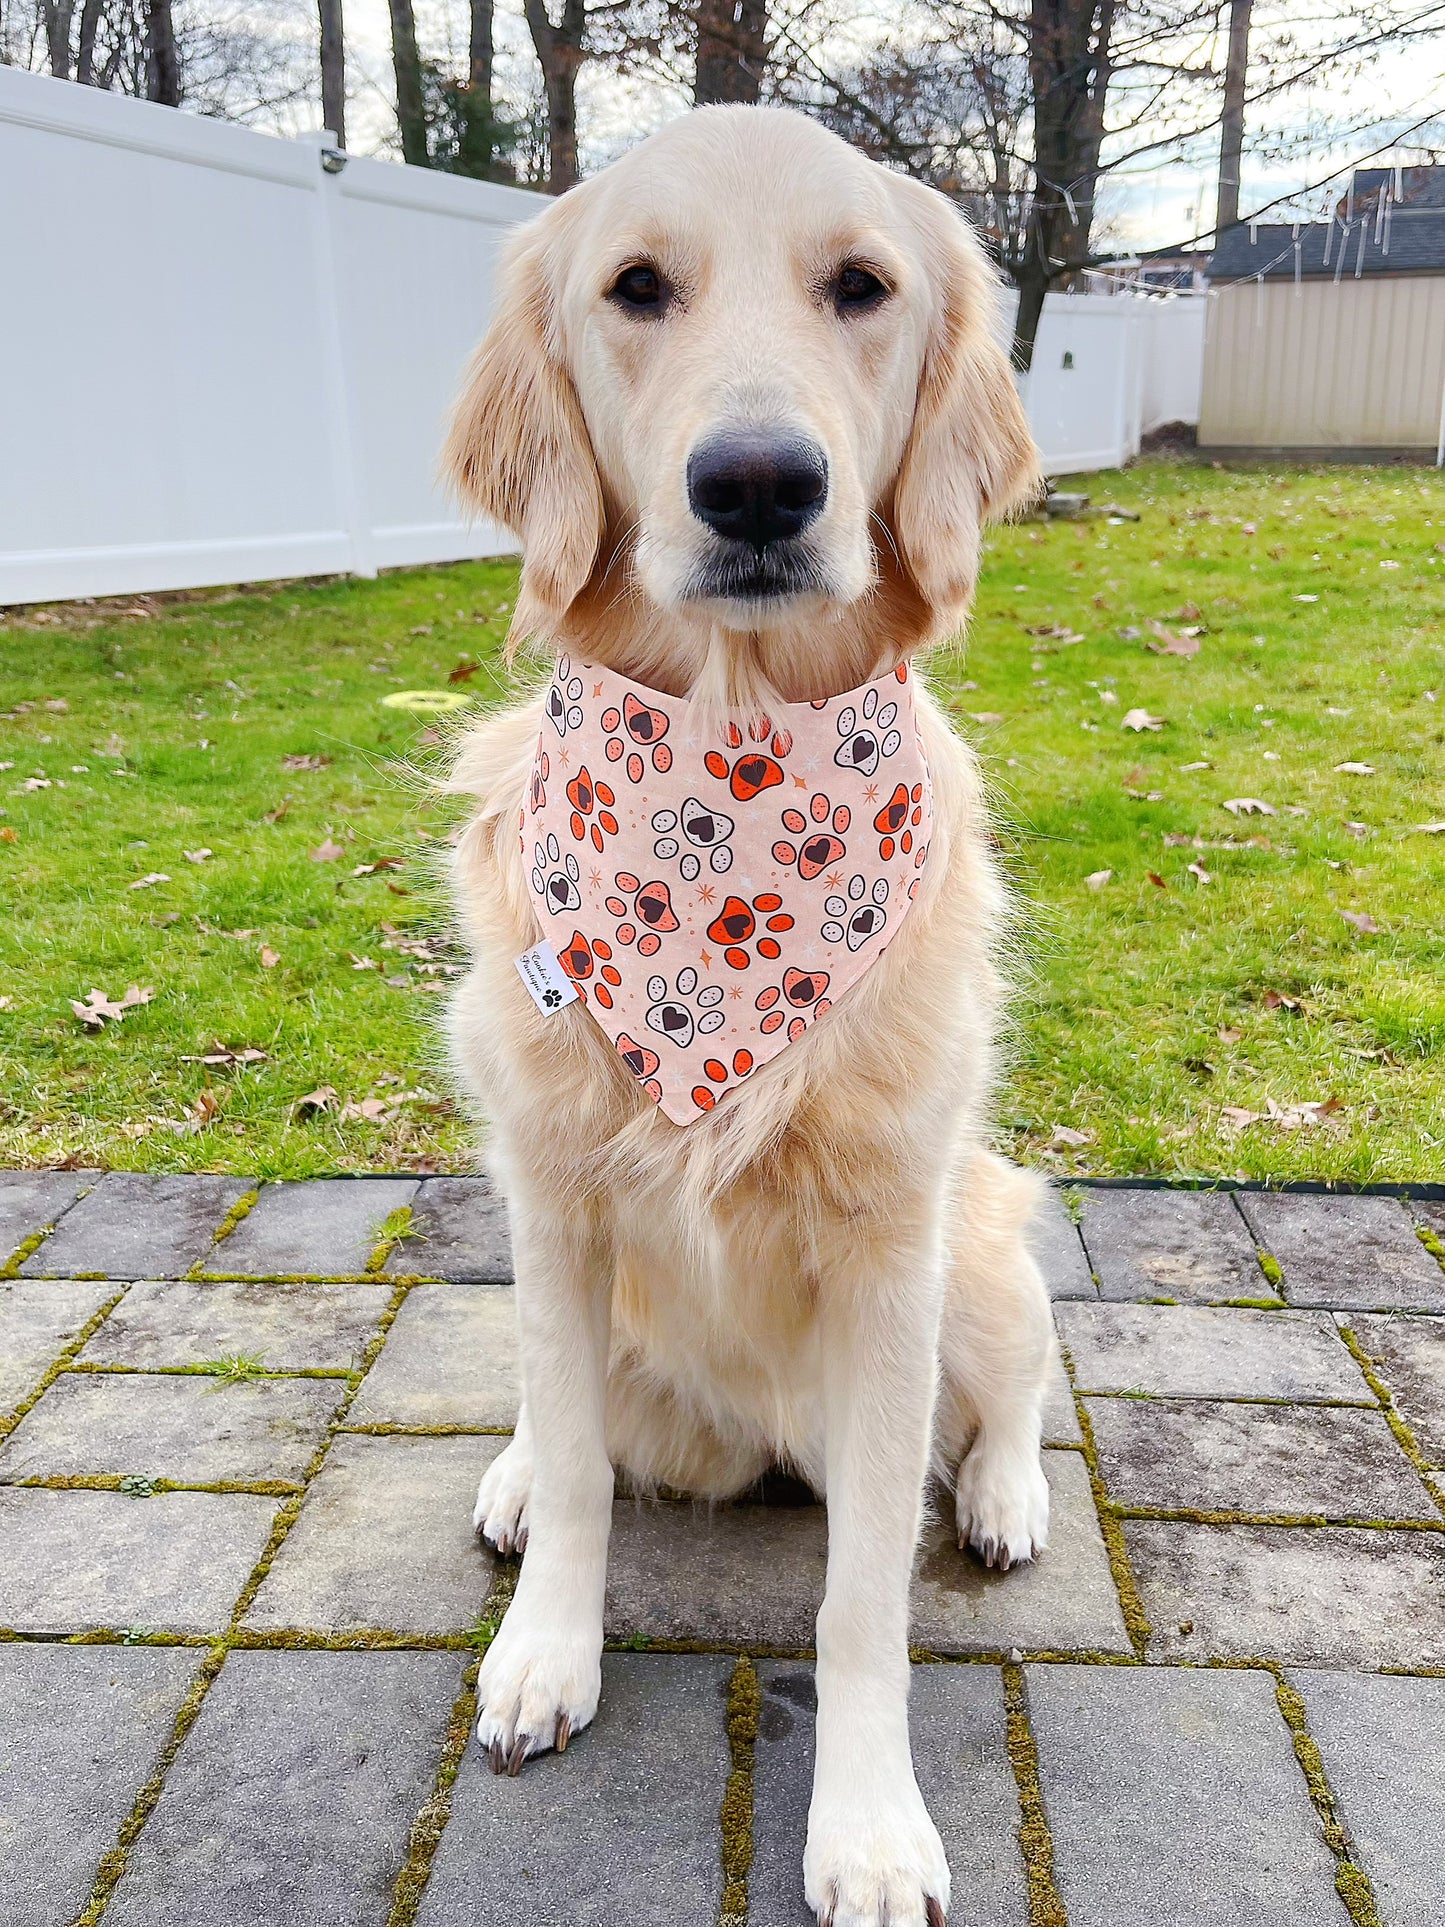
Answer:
(756, 488)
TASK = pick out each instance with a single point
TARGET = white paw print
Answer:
(554, 879)
(564, 698)
(709, 829)
(858, 916)
(867, 739)
(670, 1016)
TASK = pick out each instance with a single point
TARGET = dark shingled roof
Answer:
(1412, 243)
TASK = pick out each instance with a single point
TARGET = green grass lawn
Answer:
(1239, 1024)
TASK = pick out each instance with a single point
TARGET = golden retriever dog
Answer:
(743, 406)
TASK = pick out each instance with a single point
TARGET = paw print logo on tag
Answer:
(564, 698)
(551, 998)
(670, 1013)
(868, 738)
(554, 878)
(899, 817)
(646, 726)
(737, 924)
(585, 796)
(651, 906)
(821, 849)
(858, 916)
(708, 829)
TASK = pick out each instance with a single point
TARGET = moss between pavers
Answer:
(61, 1362)
(240, 1209)
(209, 1368)
(113, 1865)
(1272, 1268)
(128, 1482)
(386, 1429)
(1136, 1620)
(1352, 1883)
(1404, 1437)
(396, 1228)
(1196, 1516)
(1036, 1843)
(735, 1817)
(11, 1267)
(1431, 1243)
(426, 1829)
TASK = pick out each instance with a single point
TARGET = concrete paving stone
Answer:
(289, 1327)
(31, 1200)
(460, 1233)
(1212, 1457)
(1175, 1795)
(960, 1753)
(748, 1575)
(169, 1426)
(620, 1831)
(1382, 1742)
(1430, 1212)
(1346, 1252)
(37, 1321)
(1061, 1419)
(321, 1227)
(1064, 1601)
(384, 1540)
(1325, 1596)
(1055, 1243)
(1188, 1245)
(1187, 1351)
(83, 1731)
(1409, 1354)
(173, 1563)
(450, 1358)
(268, 1819)
(133, 1226)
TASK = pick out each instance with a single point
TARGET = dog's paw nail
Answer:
(564, 1732)
(516, 1756)
(496, 1759)
(1004, 1560)
(936, 1915)
(521, 1542)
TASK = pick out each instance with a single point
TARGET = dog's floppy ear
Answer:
(518, 450)
(970, 456)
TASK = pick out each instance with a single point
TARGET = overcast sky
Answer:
(1152, 206)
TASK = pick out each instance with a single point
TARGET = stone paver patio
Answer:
(241, 1606)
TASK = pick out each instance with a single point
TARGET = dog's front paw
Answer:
(538, 1686)
(1003, 1506)
(877, 1862)
(501, 1510)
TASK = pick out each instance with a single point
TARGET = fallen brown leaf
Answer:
(1169, 642)
(202, 855)
(269, 957)
(150, 878)
(7, 834)
(1354, 769)
(1277, 1000)
(1140, 719)
(326, 851)
(1065, 1137)
(1362, 920)
(1249, 806)
(305, 762)
(98, 1008)
(1098, 878)
(1198, 870)
(464, 671)
(321, 1099)
(1228, 1034)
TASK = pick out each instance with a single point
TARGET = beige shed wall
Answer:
(1347, 364)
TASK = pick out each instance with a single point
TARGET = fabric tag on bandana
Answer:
(548, 984)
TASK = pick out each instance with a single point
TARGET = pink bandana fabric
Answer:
(711, 892)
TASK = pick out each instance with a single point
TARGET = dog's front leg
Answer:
(541, 1677)
(873, 1855)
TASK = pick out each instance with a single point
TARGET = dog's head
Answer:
(752, 376)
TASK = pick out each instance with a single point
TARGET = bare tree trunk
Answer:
(476, 141)
(163, 71)
(559, 49)
(85, 47)
(333, 70)
(731, 50)
(410, 107)
(1069, 68)
(1231, 136)
(57, 36)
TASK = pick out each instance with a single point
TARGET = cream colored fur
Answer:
(829, 1271)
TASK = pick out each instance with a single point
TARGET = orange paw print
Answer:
(646, 726)
(585, 796)
(581, 958)
(737, 923)
(651, 906)
(820, 849)
(717, 1071)
(897, 820)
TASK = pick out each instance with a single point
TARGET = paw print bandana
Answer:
(712, 889)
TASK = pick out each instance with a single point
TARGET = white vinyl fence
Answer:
(221, 361)
(218, 361)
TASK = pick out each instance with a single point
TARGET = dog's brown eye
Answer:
(857, 287)
(640, 286)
